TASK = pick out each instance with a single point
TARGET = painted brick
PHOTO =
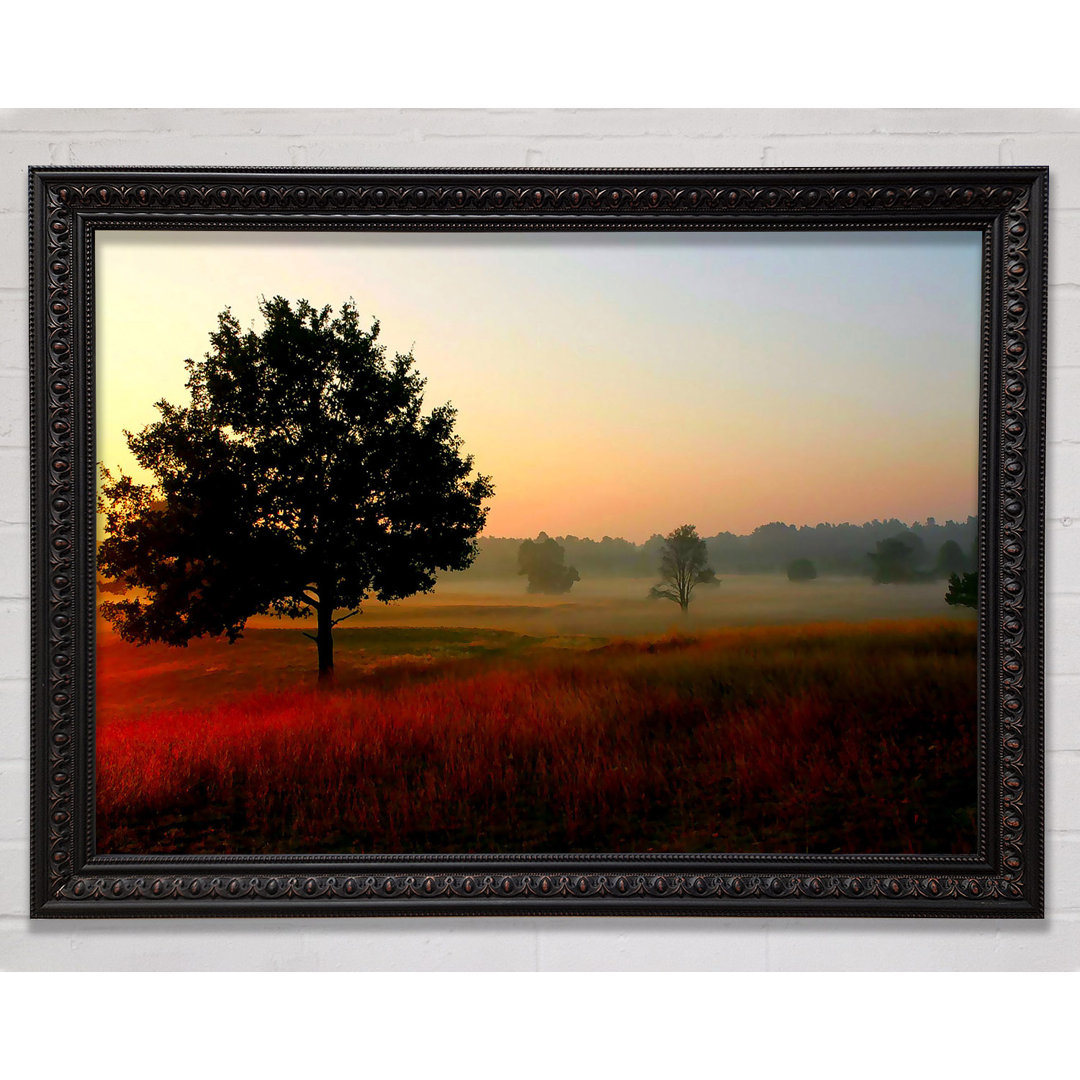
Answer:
(14, 329)
(547, 123)
(126, 946)
(643, 944)
(887, 150)
(1063, 481)
(439, 945)
(1063, 634)
(1062, 694)
(14, 562)
(272, 944)
(14, 485)
(1064, 268)
(518, 151)
(14, 802)
(165, 151)
(15, 719)
(1063, 554)
(14, 409)
(14, 882)
(1063, 791)
(15, 244)
(16, 156)
(1052, 945)
(1063, 874)
(14, 639)
(1062, 154)
(1063, 405)
(1063, 326)
(839, 945)
(138, 124)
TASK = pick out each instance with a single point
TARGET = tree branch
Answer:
(334, 622)
(312, 636)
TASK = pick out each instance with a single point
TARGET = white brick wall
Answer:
(545, 138)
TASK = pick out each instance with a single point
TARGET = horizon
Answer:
(919, 523)
(710, 376)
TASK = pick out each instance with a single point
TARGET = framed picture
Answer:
(537, 542)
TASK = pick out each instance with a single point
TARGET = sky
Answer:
(613, 383)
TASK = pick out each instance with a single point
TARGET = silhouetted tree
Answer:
(544, 561)
(684, 564)
(950, 560)
(896, 557)
(963, 590)
(801, 570)
(106, 587)
(303, 476)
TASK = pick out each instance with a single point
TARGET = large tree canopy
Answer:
(303, 476)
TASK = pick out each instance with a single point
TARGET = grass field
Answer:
(476, 721)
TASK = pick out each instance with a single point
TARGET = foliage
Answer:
(684, 564)
(950, 560)
(801, 570)
(544, 561)
(303, 476)
(833, 549)
(963, 590)
(896, 558)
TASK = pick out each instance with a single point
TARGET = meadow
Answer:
(830, 716)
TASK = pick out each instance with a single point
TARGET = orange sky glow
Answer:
(613, 383)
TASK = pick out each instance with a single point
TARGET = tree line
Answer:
(885, 550)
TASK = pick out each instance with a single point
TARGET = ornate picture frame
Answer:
(1007, 206)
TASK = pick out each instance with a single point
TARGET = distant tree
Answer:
(963, 590)
(544, 561)
(684, 564)
(772, 546)
(950, 560)
(303, 476)
(801, 570)
(896, 558)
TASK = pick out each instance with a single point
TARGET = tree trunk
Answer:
(325, 642)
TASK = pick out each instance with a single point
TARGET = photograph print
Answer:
(535, 542)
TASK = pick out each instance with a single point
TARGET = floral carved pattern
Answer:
(1002, 881)
(539, 197)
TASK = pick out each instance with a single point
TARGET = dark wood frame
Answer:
(1004, 878)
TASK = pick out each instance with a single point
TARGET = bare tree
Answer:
(684, 564)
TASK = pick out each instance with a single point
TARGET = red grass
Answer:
(808, 739)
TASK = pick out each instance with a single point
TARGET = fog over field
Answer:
(620, 606)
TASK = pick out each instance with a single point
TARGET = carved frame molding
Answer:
(1005, 878)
